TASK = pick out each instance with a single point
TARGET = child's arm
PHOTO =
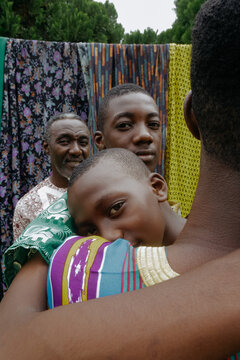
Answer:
(196, 315)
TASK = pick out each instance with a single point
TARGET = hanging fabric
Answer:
(83, 55)
(3, 41)
(41, 79)
(145, 65)
(183, 150)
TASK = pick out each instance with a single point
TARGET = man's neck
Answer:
(58, 181)
(213, 226)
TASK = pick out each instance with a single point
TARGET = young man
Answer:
(196, 315)
(128, 118)
(66, 141)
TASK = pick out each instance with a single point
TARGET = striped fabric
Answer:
(85, 268)
(114, 64)
(234, 357)
(88, 268)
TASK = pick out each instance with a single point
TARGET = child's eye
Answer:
(114, 210)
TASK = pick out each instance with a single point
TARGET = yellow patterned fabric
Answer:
(153, 265)
(182, 149)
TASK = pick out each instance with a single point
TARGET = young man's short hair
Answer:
(127, 160)
(116, 91)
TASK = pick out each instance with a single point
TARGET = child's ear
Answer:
(99, 140)
(159, 186)
(46, 147)
(190, 116)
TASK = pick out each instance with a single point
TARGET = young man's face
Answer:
(69, 145)
(107, 202)
(133, 123)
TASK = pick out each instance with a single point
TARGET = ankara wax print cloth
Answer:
(41, 79)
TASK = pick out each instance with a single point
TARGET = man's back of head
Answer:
(215, 75)
(212, 115)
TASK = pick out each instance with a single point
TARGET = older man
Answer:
(66, 140)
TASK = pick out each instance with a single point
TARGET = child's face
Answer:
(133, 123)
(108, 203)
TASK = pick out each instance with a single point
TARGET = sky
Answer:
(140, 14)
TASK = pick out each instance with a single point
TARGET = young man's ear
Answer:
(46, 147)
(190, 117)
(99, 140)
(159, 186)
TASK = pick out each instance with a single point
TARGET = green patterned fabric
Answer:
(3, 42)
(43, 235)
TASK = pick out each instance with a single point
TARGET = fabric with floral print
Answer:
(41, 79)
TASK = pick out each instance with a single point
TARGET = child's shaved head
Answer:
(125, 159)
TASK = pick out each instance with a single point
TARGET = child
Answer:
(113, 195)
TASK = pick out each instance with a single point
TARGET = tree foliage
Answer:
(87, 21)
(182, 28)
(180, 31)
(149, 36)
(9, 21)
(60, 20)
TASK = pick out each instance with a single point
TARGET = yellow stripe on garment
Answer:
(93, 249)
(153, 265)
(98, 241)
(182, 149)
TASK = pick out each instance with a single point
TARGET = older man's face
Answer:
(69, 145)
